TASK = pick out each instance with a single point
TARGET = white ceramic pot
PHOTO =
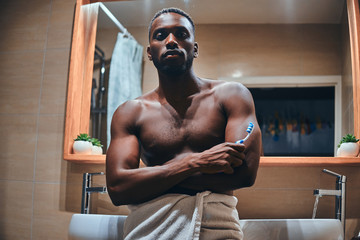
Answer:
(82, 147)
(96, 150)
(349, 149)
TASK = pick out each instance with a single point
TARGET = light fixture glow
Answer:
(237, 74)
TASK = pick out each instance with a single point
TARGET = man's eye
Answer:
(182, 34)
(160, 36)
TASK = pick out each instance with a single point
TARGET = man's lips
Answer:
(171, 53)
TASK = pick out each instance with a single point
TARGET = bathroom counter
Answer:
(264, 161)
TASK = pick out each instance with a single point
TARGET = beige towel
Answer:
(178, 217)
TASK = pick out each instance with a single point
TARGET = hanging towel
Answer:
(207, 216)
(124, 75)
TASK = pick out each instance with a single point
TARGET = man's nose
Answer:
(171, 41)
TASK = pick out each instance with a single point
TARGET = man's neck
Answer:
(177, 88)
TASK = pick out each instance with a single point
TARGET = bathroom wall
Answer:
(40, 191)
(35, 39)
(259, 50)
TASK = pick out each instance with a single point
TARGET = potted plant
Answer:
(82, 144)
(96, 148)
(348, 146)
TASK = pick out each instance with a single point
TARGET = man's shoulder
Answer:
(134, 107)
(231, 95)
(130, 106)
(229, 89)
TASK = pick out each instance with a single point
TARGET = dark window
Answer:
(296, 121)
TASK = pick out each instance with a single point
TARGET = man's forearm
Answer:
(212, 169)
(243, 176)
(133, 186)
(219, 182)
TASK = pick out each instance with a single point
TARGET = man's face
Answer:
(172, 45)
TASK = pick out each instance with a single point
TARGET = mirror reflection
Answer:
(292, 45)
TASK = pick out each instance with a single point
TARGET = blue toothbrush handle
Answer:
(249, 131)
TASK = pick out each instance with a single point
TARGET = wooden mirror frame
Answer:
(80, 75)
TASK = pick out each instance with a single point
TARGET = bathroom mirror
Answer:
(84, 39)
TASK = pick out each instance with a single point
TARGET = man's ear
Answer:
(148, 53)
(196, 50)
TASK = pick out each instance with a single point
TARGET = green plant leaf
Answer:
(96, 142)
(83, 137)
(348, 138)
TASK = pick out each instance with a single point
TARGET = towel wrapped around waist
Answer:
(177, 216)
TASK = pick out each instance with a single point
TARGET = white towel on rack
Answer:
(124, 76)
(182, 217)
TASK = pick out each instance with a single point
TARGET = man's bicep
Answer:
(237, 125)
(123, 151)
(240, 112)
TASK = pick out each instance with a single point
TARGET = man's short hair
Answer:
(171, 10)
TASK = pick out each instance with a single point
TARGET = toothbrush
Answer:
(249, 131)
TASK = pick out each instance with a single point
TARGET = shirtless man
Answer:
(184, 130)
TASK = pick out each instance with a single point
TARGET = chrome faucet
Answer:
(339, 194)
(87, 189)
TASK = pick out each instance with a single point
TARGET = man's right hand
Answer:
(223, 157)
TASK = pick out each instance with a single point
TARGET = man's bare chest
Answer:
(165, 131)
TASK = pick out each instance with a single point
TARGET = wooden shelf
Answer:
(85, 159)
(309, 161)
(264, 161)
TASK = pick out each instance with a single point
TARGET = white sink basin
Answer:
(292, 229)
(110, 227)
(96, 227)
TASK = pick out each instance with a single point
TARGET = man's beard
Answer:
(174, 70)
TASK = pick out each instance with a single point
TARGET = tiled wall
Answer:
(35, 41)
(40, 191)
(259, 50)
